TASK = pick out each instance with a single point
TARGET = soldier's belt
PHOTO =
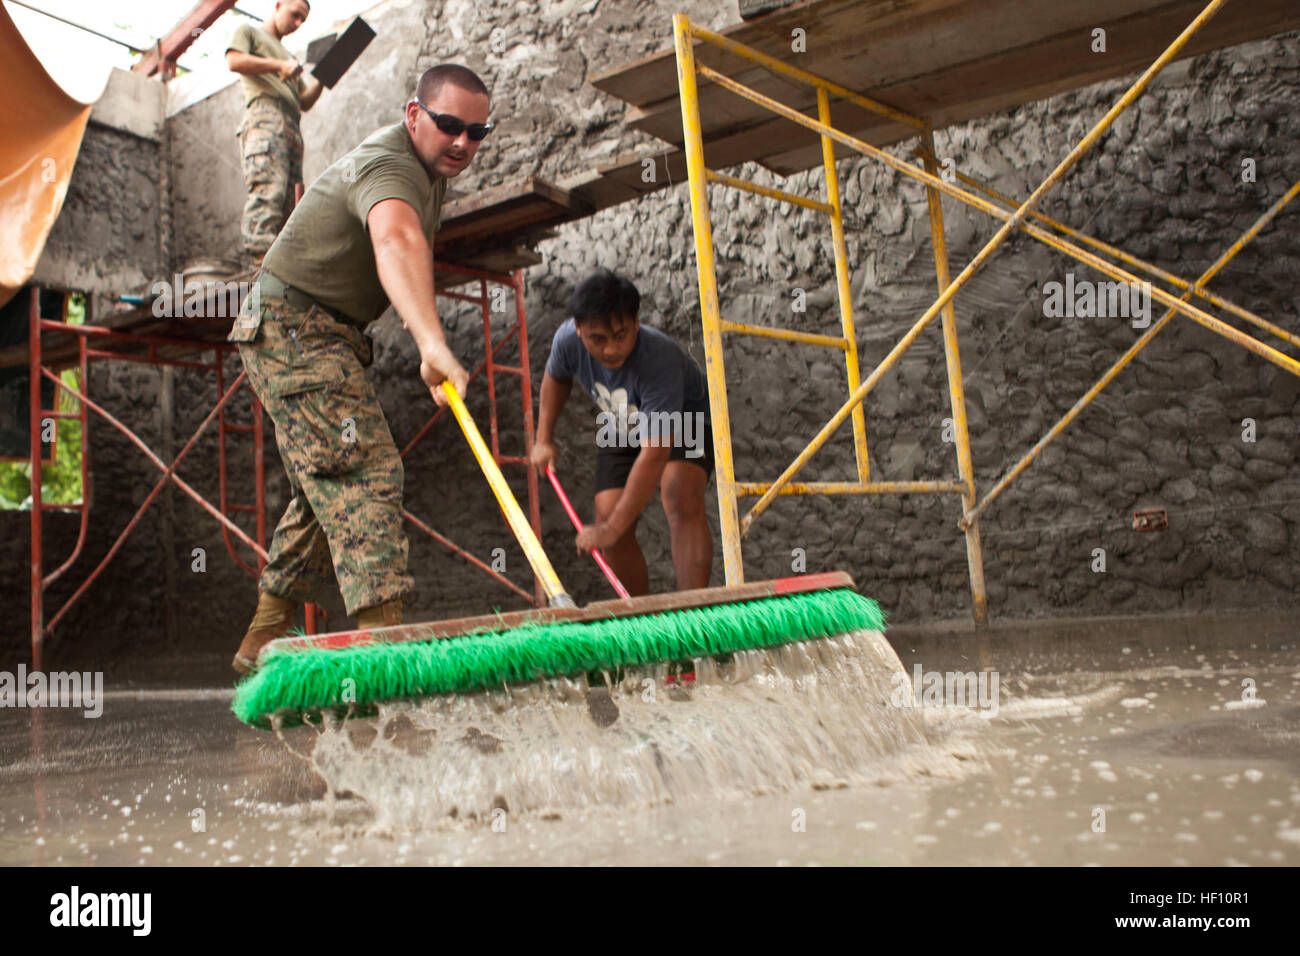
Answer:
(276, 288)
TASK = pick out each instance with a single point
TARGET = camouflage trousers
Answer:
(345, 473)
(271, 146)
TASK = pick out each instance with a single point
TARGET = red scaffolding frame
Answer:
(151, 344)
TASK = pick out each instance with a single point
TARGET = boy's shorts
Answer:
(613, 465)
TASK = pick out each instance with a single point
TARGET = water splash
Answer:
(814, 713)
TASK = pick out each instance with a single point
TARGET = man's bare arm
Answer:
(249, 65)
(642, 481)
(554, 394)
(405, 264)
(310, 93)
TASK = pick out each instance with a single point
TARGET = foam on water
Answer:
(815, 713)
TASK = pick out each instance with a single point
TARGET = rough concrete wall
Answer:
(1168, 433)
(106, 239)
(207, 185)
(1165, 183)
(537, 58)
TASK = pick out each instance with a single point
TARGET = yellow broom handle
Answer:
(555, 593)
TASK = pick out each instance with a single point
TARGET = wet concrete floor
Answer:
(1141, 741)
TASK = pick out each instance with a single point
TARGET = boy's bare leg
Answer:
(682, 488)
(624, 556)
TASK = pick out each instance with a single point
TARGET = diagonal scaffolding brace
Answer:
(972, 514)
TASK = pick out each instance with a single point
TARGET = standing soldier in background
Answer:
(275, 95)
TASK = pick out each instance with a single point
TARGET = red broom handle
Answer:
(577, 523)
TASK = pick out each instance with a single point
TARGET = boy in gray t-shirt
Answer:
(651, 429)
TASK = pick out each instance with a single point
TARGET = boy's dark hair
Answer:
(603, 295)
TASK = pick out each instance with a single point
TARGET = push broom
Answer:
(349, 673)
(577, 523)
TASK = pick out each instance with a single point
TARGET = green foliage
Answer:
(15, 485)
(60, 482)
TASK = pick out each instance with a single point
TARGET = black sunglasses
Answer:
(454, 125)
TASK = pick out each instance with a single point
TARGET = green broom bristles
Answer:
(293, 682)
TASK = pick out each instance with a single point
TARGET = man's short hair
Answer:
(435, 78)
(304, 3)
(602, 296)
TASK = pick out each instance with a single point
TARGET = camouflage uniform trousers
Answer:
(271, 146)
(345, 473)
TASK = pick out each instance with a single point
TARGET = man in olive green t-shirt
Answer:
(360, 239)
(275, 94)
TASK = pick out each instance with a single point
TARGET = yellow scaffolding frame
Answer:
(1017, 217)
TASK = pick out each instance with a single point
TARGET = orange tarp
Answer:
(40, 133)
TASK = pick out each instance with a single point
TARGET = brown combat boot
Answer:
(274, 618)
(381, 615)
